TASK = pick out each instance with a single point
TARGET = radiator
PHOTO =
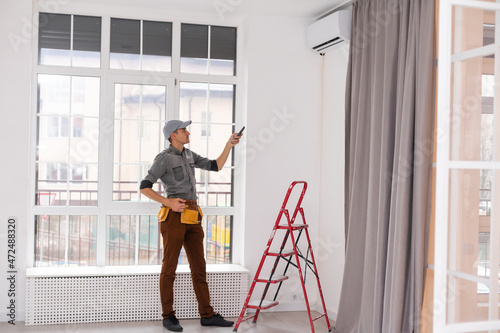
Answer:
(135, 297)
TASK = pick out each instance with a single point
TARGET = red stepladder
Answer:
(293, 231)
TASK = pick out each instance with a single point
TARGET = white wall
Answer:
(284, 80)
(15, 60)
(287, 138)
(331, 242)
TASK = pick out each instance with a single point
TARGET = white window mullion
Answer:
(218, 211)
(494, 250)
(172, 104)
(140, 125)
(63, 210)
(141, 41)
(42, 239)
(137, 238)
(68, 157)
(474, 165)
(105, 187)
(176, 50)
(203, 78)
(472, 327)
(452, 257)
(495, 191)
(442, 171)
(71, 40)
(239, 158)
(32, 179)
(105, 43)
(475, 4)
(106, 125)
(470, 54)
(70, 71)
(66, 242)
(208, 51)
(207, 124)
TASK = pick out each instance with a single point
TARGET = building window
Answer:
(99, 129)
(139, 117)
(59, 115)
(206, 120)
(210, 131)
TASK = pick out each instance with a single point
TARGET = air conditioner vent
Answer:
(328, 44)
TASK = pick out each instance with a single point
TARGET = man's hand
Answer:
(234, 139)
(176, 204)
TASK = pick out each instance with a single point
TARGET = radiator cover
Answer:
(134, 297)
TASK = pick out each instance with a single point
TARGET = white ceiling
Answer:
(303, 8)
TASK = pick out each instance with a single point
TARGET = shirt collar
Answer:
(175, 150)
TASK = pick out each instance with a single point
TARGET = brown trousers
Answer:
(176, 234)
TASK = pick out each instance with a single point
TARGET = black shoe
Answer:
(172, 324)
(216, 320)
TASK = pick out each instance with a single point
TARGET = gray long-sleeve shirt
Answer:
(175, 169)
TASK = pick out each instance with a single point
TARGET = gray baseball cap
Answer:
(173, 125)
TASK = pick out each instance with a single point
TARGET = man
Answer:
(180, 219)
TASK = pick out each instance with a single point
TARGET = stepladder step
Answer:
(284, 253)
(266, 304)
(319, 317)
(295, 226)
(273, 279)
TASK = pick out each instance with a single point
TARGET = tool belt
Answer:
(191, 214)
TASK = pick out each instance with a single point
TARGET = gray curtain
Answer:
(389, 142)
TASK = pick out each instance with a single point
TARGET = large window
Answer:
(467, 254)
(99, 127)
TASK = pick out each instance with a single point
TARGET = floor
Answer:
(272, 322)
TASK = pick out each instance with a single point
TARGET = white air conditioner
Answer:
(329, 31)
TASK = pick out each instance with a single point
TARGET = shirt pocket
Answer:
(178, 173)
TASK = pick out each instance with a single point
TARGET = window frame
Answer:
(106, 207)
(447, 242)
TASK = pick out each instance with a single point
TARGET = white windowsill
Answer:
(123, 270)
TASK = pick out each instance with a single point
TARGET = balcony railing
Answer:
(50, 195)
(82, 252)
(51, 233)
